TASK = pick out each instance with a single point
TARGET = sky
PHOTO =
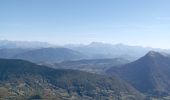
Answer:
(132, 22)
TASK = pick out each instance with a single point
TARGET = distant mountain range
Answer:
(11, 52)
(24, 44)
(50, 55)
(95, 50)
(104, 50)
(149, 74)
(23, 80)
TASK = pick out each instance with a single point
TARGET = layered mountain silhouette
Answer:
(50, 55)
(104, 50)
(94, 50)
(24, 80)
(24, 44)
(11, 52)
(149, 74)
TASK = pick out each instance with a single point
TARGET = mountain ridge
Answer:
(149, 74)
(24, 44)
(50, 55)
(24, 79)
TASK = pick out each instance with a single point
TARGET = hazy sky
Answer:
(133, 22)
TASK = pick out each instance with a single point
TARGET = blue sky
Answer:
(133, 22)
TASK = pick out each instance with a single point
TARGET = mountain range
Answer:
(50, 55)
(104, 50)
(86, 72)
(11, 52)
(21, 79)
(24, 44)
(95, 50)
(149, 74)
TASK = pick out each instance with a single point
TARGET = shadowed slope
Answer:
(150, 74)
(23, 79)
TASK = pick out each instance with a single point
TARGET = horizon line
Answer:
(85, 44)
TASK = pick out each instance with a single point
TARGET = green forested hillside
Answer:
(23, 80)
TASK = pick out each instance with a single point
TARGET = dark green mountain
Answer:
(24, 80)
(150, 74)
(50, 55)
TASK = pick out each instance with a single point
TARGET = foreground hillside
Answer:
(24, 80)
(150, 74)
